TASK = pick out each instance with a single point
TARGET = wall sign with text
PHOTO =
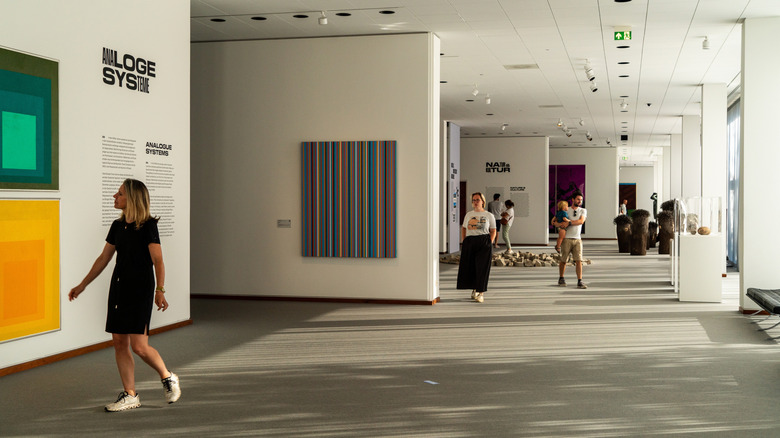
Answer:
(496, 167)
(127, 71)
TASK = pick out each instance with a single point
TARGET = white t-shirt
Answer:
(478, 223)
(573, 231)
(511, 217)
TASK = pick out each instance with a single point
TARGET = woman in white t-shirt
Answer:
(509, 216)
(477, 233)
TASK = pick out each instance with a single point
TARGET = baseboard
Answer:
(80, 351)
(313, 299)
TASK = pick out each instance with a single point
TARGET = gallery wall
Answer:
(104, 134)
(523, 178)
(601, 186)
(644, 178)
(253, 103)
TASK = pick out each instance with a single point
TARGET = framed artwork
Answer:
(29, 267)
(29, 122)
(565, 179)
(349, 199)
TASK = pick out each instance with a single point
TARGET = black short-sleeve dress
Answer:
(131, 295)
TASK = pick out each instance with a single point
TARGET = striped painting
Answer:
(349, 199)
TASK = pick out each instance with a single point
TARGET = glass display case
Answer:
(698, 216)
(698, 258)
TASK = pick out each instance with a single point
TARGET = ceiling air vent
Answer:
(623, 137)
(522, 67)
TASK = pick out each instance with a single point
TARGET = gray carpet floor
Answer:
(623, 358)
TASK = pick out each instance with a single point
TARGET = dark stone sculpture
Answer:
(639, 221)
(666, 231)
(652, 234)
(623, 229)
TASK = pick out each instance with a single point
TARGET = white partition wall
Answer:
(253, 103)
(108, 132)
(523, 178)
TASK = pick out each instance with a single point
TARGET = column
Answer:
(675, 168)
(691, 156)
(714, 150)
(759, 155)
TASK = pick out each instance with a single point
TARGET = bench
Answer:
(767, 299)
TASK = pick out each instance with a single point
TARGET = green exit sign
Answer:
(624, 158)
(624, 35)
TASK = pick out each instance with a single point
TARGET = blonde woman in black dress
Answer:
(477, 233)
(135, 239)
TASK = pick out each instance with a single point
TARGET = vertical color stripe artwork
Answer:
(349, 199)
(28, 122)
(29, 267)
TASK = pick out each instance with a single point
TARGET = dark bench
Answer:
(767, 299)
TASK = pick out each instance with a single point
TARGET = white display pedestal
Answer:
(700, 268)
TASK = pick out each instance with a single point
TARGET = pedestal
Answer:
(700, 268)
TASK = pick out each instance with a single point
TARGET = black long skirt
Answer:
(475, 259)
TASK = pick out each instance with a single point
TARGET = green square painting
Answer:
(29, 140)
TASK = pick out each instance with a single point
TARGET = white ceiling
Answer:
(480, 38)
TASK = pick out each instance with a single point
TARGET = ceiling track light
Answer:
(705, 45)
(623, 104)
(475, 91)
(503, 127)
(323, 20)
(568, 133)
(581, 122)
(560, 123)
(609, 143)
(588, 136)
(589, 71)
(487, 100)
(593, 87)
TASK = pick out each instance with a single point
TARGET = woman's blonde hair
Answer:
(137, 196)
(481, 196)
(563, 205)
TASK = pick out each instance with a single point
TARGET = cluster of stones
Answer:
(517, 259)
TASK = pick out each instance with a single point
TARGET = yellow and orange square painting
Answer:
(29, 267)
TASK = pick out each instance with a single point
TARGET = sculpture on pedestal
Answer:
(640, 219)
(623, 229)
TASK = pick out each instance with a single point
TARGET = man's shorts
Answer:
(573, 246)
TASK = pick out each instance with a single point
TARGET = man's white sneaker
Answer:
(172, 388)
(124, 402)
(480, 297)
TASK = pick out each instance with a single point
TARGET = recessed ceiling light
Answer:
(622, 1)
(623, 63)
(343, 14)
(218, 20)
(442, 82)
(489, 114)
(623, 47)
(387, 12)
(469, 100)
(300, 16)
(483, 133)
(259, 18)
(623, 76)
(624, 97)
(624, 111)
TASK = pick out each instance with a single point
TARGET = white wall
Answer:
(253, 103)
(601, 186)
(528, 160)
(644, 178)
(758, 154)
(90, 110)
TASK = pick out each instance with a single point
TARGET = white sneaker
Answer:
(480, 297)
(172, 388)
(124, 402)
(509, 252)
(473, 295)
